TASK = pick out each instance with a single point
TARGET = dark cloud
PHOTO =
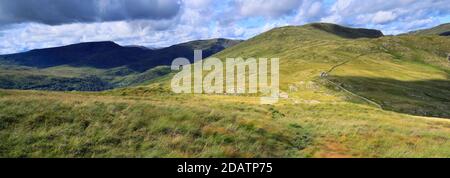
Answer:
(55, 12)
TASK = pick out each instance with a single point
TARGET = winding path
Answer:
(324, 76)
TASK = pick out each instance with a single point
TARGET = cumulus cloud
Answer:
(195, 20)
(310, 11)
(393, 15)
(71, 11)
(382, 17)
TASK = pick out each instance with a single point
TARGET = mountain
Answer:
(164, 56)
(408, 74)
(441, 30)
(93, 54)
(94, 66)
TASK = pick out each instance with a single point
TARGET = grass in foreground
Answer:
(51, 124)
(39, 124)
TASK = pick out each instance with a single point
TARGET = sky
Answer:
(33, 24)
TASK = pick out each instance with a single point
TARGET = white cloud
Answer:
(382, 17)
(309, 11)
(389, 16)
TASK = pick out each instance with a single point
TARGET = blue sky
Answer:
(31, 24)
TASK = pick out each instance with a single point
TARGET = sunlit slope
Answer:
(408, 74)
(155, 123)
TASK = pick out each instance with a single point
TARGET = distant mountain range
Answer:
(96, 66)
(107, 55)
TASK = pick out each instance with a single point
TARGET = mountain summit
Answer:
(346, 32)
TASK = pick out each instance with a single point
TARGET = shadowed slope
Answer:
(422, 97)
(346, 32)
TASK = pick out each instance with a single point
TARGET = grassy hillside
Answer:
(152, 122)
(383, 97)
(68, 78)
(408, 74)
(48, 124)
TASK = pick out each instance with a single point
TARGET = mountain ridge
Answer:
(441, 30)
(84, 65)
(347, 32)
